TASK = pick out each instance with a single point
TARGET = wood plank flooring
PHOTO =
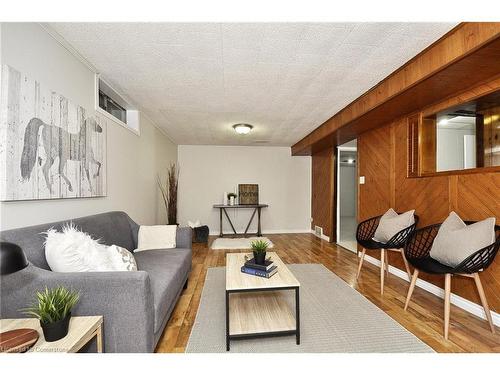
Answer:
(424, 317)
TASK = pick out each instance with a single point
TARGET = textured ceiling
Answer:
(195, 80)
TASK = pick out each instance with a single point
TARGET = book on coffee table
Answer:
(260, 273)
(264, 267)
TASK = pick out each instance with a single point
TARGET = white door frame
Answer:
(339, 150)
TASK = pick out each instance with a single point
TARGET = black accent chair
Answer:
(417, 252)
(364, 236)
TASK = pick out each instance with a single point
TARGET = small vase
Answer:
(231, 201)
(260, 258)
(57, 330)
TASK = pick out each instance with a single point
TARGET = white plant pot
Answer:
(231, 201)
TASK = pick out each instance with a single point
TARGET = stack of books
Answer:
(266, 270)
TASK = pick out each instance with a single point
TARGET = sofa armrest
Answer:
(183, 238)
(124, 299)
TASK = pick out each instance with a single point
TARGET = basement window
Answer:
(115, 107)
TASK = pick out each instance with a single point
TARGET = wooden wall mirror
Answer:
(465, 136)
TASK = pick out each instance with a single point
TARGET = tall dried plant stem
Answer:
(168, 191)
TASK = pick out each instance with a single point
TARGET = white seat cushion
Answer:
(153, 237)
(456, 241)
(391, 223)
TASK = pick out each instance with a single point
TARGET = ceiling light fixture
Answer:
(242, 128)
(443, 121)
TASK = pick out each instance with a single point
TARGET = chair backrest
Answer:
(420, 244)
(111, 228)
(482, 258)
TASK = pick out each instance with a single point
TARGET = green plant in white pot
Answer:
(259, 248)
(53, 309)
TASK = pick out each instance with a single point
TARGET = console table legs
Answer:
(256, 210)
(220, 224)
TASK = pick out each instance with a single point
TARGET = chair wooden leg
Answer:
(447, 291)
(361, 262)
(382, 263)
(412, 286)
(484, 302)
(407, 266)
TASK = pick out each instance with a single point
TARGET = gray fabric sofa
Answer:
(135, 305)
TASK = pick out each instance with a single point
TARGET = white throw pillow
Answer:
(391, 223)
(153, 237)
(456, 241)
(74, 251)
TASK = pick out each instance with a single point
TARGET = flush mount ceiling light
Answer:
(242, 128)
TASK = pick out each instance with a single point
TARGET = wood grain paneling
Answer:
(374, 164)
(466, 55)
(473, 196)
(322, 189)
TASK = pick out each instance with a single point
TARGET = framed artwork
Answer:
(248, 193)
(49, 147)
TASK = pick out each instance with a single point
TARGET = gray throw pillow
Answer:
(391, 223)
(456, 241)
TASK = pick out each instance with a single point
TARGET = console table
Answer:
(256, 209)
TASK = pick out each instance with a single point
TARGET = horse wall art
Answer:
(49, 147)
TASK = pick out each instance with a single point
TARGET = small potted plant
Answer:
(231, 198)
(259, 248)
(53, 309)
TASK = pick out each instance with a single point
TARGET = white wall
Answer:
(450, 148)
(206, 172)
(132, 161)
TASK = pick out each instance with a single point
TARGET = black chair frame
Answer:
(364, 236)
(417, 252)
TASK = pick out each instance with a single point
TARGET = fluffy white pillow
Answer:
(74, 251)
(156, 237)
(456, 241)
(391, 223)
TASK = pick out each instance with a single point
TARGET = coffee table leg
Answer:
(297, 315)
(227, 321)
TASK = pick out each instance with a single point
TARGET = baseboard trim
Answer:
(323, 237)
(456, 300)
(271, 231)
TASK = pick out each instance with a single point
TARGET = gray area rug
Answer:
(335, 318)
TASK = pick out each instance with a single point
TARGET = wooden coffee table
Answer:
(256, 306)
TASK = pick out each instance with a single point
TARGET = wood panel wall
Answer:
(382, 155)
(322, 191)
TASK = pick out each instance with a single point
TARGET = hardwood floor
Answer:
(424, 317)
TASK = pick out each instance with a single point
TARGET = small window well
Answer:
(113, 106)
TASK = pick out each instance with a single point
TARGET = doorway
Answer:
(347, 195)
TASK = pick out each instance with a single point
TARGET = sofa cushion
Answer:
(168, 271)
(111, 228)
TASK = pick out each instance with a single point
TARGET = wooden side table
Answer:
(81, 330)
